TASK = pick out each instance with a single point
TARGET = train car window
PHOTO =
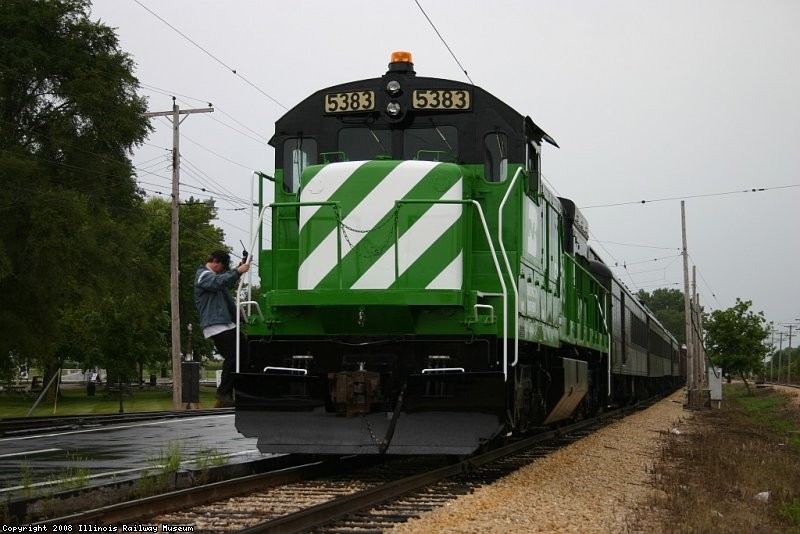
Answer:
(436, 143)
(638, 330)
(365, 143)
(298, 153)
(532, 165)
(495, 165)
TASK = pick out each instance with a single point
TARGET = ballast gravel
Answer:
(598, 484)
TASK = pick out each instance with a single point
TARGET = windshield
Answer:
(365, 143)
(437, 143)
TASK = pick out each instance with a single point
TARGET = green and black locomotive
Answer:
(424, 292)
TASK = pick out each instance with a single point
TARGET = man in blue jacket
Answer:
(217, 311)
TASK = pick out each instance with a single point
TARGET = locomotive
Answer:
(424, 291)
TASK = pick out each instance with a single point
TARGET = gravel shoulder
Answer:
(598, 484)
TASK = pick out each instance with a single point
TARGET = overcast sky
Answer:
(649, 100)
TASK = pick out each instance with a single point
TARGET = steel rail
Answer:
(15, 426)
(135, 510)
(340, 507)
(370, 497)
(332, 510)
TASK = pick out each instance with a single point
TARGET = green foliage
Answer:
(74, 476)
(69, 117)
(198, 238)
(668, 307)
(791, 511)
(166, 464)
(169, 459)
(784, 365)
(74, 401)
(206, 458)
(84, 261)
(26, 478)
(734, 338)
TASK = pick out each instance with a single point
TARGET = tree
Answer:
(198, 237)
(69, 117)
(785, 364)
(668, 307)
(735, 339)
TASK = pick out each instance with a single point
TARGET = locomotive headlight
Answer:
(393, 87)
(393, 108)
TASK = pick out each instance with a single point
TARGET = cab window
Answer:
(435, 143)
(532, 166)
(298, 153)
(358, 144)
(495, 165)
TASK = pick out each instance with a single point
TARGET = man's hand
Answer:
(243, 268)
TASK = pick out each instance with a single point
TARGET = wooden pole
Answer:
(174, 272)
(691, 383)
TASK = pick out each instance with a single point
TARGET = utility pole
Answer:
(780, 355)
(176, 112)
(699, 354)
(772, 357)
(789, 369)
(789, 375)
(691, 383)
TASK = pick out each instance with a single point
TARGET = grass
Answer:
(708, 476)
(75, 401)
(74, 476)
(207, 458)
(165, 464)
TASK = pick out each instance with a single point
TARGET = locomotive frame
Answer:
(425, 292)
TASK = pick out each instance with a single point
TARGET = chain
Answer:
(375, 251)
(369, 429)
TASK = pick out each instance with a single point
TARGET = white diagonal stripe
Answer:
(324, 184)
(417, 239)
(364, 216)
(452, 277)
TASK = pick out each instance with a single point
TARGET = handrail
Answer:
(511, 277)
(483, 307)
(290, 369)
(397, 203)
(239, 292)
(494, 259)
(253, 303)
(253, 239)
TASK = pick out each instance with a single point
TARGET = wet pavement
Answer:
(51, 460)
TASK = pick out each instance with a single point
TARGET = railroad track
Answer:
(381, 507)
(333, 494)
(20, 426)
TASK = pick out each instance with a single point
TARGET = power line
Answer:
(625, 265)
(209, 54)
(259, 137)
(638, 246)
(220, 156)
(703, 278)
(445, 42)
(753, 190)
